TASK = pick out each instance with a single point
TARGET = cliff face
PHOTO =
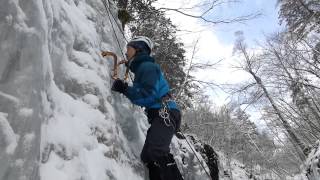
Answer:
(313, 163)
(58, 117)
(23, 68)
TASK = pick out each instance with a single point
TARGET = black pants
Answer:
(156, 151)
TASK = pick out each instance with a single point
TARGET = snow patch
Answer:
(91, 100)
(27, 141)
(313, 163)
(9, 97)
(83, 76)
(9, 19)
(10, 137)
(25, 112)
(19, 162)
(84, 59)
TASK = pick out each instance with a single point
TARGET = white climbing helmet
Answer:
(144, 39)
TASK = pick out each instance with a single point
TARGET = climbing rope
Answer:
(205, 170)
(115, 19)
(114, 31)
(165, 115)
(107, 8)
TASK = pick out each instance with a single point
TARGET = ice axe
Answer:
(116, 64)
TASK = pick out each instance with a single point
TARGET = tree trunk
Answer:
(294, 139)
(313, 110)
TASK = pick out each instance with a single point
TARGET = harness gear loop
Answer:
(164, 114)
(164, 111)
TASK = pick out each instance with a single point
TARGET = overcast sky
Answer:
(216, 41)
(253, 29)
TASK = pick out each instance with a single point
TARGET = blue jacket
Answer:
(149, 84)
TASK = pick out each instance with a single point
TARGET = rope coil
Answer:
(164, 114)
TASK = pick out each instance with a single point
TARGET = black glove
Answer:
(119, 86)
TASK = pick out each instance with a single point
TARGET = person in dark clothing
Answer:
(151, 90)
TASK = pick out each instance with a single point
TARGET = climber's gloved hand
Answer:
(127, 64)
(119, 86)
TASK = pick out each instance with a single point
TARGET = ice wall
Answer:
(58, 117)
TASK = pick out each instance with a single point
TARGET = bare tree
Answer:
(251, 66)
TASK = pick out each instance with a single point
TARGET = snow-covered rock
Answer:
(59, 119)
(313, 163)
(8, 137)
(190, 153)
(58, 116)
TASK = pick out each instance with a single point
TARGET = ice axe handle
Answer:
(115, 62)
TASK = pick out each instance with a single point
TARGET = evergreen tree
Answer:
(169, 51)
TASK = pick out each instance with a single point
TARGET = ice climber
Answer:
(151, 90)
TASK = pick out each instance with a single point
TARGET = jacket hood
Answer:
(138, 59)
